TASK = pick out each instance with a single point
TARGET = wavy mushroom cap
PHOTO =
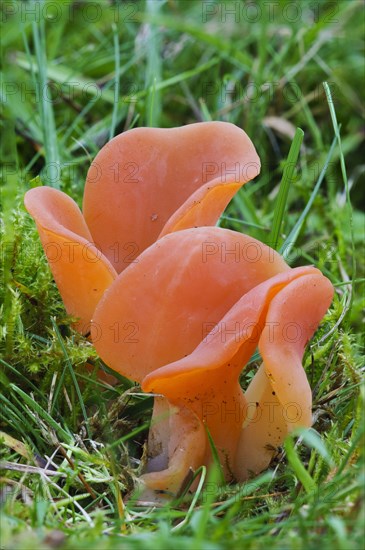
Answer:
(186, 318)
(143, 184)
(80, 270)
(279, 396)
(147, 182)
(166, 304)
(161, 307)
(207, 380)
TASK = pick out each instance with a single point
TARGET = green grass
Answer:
(169, 64)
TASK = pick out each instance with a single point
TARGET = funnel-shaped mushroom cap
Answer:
(161, 307)
(186, 318)
(81, 272)
(145, 183)
(207, 379)
(148, 182)
(292, 318)
(279, 397)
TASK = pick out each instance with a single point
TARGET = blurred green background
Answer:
(258, 64)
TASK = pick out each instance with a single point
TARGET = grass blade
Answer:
(153, 69)
(345, 180)
(225, 47)
(202, 470)
(298, 467)
(73, 376)
(281, 200)
(47, 116)
(33, 405)
(117, 77)
(216, 459)
(291, 239)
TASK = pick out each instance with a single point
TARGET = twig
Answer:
(79, 474)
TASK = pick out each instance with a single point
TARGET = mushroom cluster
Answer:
(180, 305)
(143, 184)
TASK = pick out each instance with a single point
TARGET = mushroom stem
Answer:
(185, 451)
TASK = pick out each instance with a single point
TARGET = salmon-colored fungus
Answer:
(180, 305)
(143, 184)
(200, 301)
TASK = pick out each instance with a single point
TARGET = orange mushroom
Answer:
(143, 184)
(280, 391)
(180, 306)
(81, 272)
(200, 301)
(154, 181)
